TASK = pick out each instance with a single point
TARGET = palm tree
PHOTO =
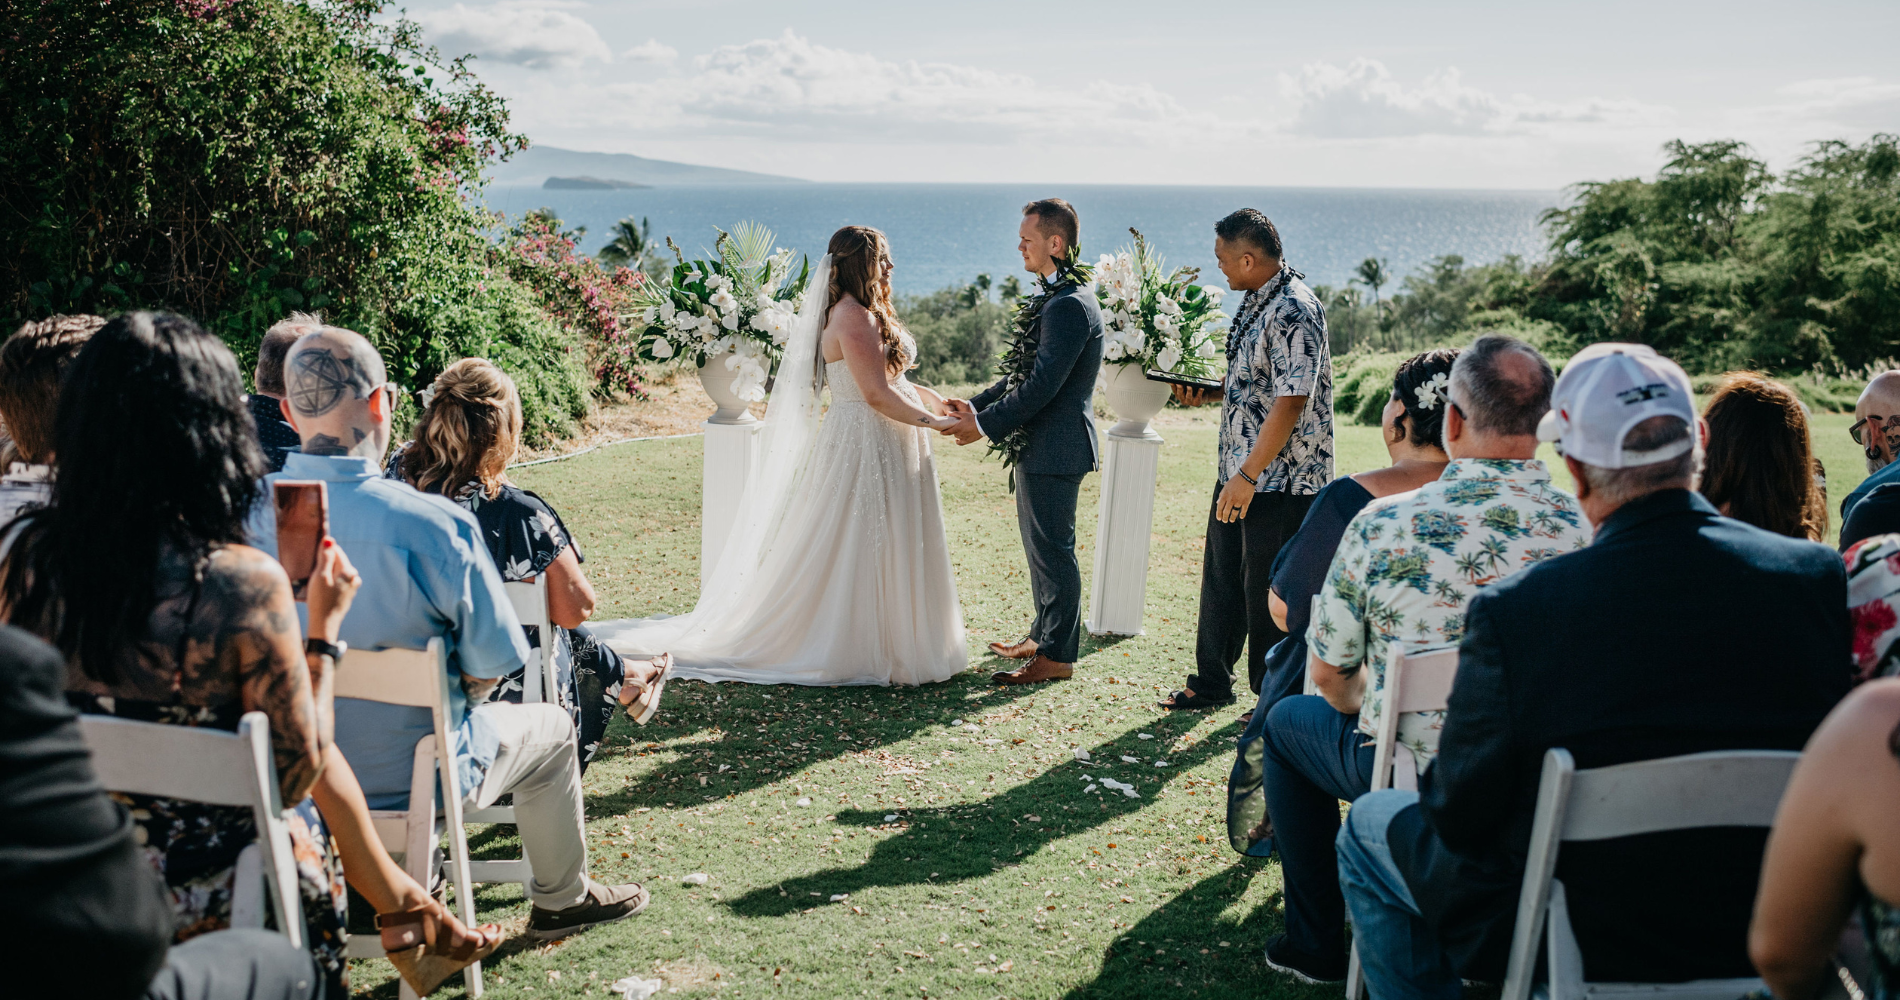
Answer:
(1372, 274)
(1011, 290)
(630, 245)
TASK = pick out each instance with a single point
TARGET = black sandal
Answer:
(1184, 700)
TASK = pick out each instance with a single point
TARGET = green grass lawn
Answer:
(971, 862)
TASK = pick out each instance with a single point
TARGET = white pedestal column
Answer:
(1120, 586)
(731, 451)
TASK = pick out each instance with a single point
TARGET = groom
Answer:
(1041, 413)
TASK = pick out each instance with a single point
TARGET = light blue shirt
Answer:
(426, 573)
(1890, 473)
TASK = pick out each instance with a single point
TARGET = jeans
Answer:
(1236, 576)
(1312, 757)
(1398, 952)
(536, 763)
(237, 965)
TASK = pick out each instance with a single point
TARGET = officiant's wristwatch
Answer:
(333, 650)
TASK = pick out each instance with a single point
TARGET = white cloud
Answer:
(652, 51)
(538, 35)
(1362, 101)
(790, 87)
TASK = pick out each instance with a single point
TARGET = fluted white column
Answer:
(731, 454)
(1119, 589)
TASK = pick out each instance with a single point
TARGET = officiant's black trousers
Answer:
(1236, 576)
(1045, 511)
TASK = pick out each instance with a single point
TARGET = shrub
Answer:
(236, 160)
(959, 332)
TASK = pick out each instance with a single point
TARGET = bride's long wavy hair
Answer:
(858, 254)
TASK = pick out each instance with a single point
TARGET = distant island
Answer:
(589, 184)
(544, 166)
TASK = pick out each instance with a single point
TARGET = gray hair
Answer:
(1503, 385)
(1620, 486)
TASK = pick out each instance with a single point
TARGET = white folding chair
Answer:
(1724, 788)
(216, 768)
(530, 598)
(1420, 682)
(420, 679)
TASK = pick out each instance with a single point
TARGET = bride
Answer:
(837, 570)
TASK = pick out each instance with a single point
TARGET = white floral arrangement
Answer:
(1156, 318)
(740, 304)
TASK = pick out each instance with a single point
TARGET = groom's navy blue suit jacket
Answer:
(1056, 403)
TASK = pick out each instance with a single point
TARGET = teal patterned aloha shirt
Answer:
(1410, 561)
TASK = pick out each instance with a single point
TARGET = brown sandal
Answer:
(427, 945)
(641, 707)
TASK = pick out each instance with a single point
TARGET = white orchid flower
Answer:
(662, 348)
(1169, 357)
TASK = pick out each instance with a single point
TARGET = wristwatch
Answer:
(333, 650)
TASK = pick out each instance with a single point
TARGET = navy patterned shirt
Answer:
(1277, 347)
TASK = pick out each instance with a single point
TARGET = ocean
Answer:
(945, 234)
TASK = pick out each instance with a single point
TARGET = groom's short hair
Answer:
(1250, 225)
(1055, 217)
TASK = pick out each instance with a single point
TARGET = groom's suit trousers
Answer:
(1045, 512)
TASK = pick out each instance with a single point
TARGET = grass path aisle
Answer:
(951, 819)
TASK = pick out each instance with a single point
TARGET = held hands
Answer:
(332, 587)
(963, 426)
(1234, 500)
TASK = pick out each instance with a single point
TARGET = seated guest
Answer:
(1649, 643)
(80, 905)
(426, 573)
(1877, 513)
(1760, 466)
(1405, 568)
(163, 614)
(1835, 853)
(463, 444)
(1411, 425)
(267, 403)
(1876, 429)
(1873, 603)
(31, 362)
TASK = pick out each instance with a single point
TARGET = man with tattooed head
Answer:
(1877, 430)
(426, 572)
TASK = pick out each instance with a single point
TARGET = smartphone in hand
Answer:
(303, 520)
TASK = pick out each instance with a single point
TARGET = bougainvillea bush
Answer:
(237, 159)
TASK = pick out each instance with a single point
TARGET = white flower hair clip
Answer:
(427, 396)
(1435, 388)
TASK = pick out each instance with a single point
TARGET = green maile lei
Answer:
(1019, 358)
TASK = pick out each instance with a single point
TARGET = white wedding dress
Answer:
(839, 573)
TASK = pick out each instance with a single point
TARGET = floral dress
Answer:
(525, 536)
(195, 846)
(1873, 604)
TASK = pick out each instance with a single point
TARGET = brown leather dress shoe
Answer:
(1037, 670)
(1021, 649)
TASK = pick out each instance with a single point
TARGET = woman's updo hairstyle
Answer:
(470, 430)
(1424, 411)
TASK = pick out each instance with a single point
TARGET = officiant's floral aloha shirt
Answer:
(1410, 562)
(1277, 347)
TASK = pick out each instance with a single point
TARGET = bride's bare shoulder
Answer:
(849, 318)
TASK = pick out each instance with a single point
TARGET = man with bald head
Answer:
(427, 573)
(1877, 430)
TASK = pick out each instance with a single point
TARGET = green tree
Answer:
(234, 161)
(632, 246)
(1372, 274)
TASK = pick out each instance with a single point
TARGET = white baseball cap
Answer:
(1606, 390)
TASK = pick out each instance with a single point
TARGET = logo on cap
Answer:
(1643, 393)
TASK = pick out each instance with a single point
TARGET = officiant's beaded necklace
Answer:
(1020, 358)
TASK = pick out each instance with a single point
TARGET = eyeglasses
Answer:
(1855, 431)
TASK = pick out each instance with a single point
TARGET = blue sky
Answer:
(1467, 95)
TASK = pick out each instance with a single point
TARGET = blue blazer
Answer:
(1056, 404)
(1676, 631)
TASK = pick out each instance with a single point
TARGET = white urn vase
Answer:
(717, 380)
(1134, 397)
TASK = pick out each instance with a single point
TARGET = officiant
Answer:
(1275, 453)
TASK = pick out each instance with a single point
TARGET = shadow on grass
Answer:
(966, 841)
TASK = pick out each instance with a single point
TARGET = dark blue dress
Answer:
(1299, 571)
